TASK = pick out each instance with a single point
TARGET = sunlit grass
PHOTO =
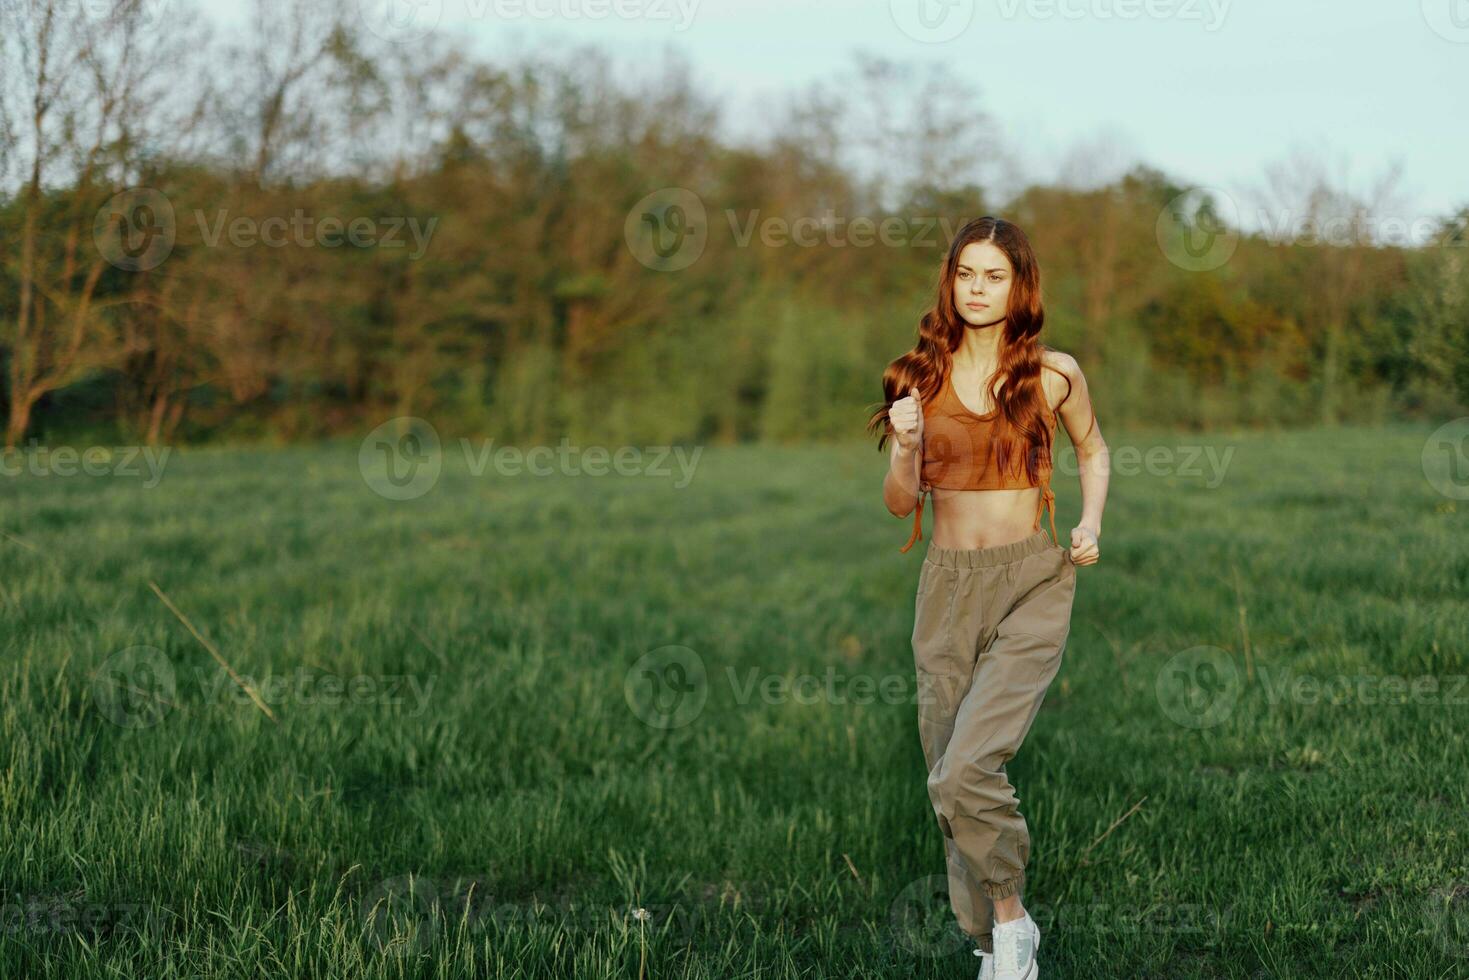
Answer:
(463, 732)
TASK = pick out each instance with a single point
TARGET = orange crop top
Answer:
(961, 452)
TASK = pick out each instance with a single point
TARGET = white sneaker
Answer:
(986, 965)
(1016, 944)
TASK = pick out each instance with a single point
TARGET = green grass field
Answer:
(1240, 772)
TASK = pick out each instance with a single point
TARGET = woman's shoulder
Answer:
(1061, 377)
(1058, 361)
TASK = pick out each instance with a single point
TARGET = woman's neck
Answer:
(979, 350)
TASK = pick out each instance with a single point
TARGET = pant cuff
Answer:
(1004, 889)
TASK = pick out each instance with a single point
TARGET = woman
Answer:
(972, 411)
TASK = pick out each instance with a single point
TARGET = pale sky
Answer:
(1208, 91)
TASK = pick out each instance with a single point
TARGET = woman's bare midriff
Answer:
(983, 518)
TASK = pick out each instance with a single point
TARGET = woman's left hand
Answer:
(1084, 549)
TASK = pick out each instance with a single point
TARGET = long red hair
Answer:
(1022, 400)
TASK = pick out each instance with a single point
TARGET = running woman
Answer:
(972, 411)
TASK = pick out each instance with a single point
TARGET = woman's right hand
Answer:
(906, 416)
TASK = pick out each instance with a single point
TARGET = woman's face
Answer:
(982, 284)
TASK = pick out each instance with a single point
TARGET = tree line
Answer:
(301, 229)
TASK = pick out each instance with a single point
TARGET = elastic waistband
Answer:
(999, 554)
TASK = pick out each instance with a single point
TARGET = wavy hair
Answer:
(1021, 401)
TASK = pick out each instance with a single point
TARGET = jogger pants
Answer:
(989, 629)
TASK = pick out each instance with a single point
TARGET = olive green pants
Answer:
(989, 629)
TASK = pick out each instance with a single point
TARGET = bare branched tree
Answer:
(1310, 207)
(77, 99)
(275, 95)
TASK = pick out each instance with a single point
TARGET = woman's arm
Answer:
(1092, 457)
(900, 487)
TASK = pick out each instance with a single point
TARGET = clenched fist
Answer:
(906, 416)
